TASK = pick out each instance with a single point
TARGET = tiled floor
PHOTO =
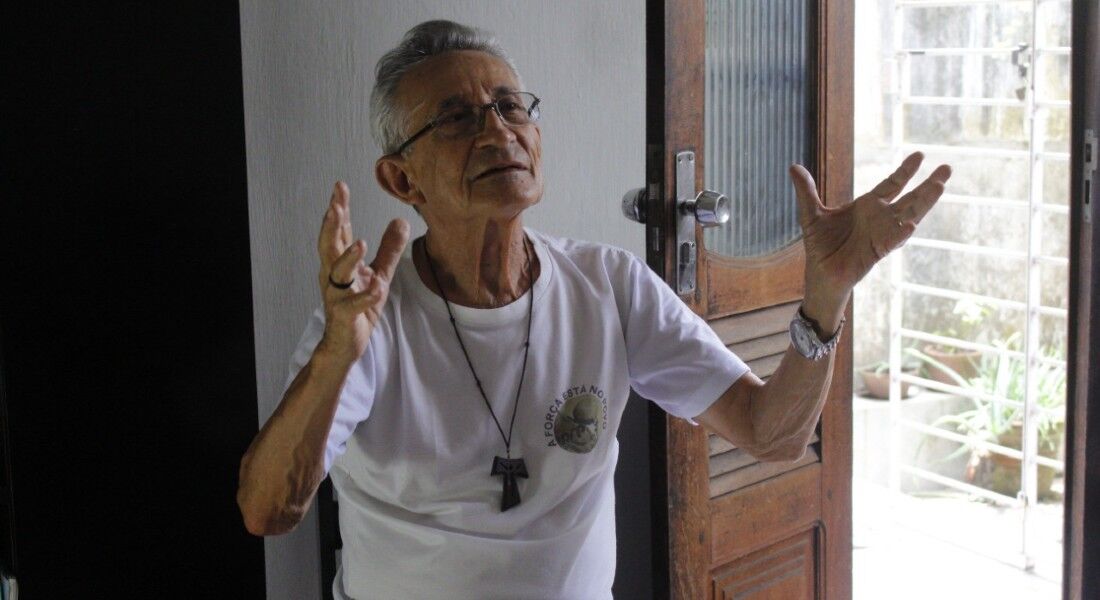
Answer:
(946, 547)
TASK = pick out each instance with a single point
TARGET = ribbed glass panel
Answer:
(758, 119)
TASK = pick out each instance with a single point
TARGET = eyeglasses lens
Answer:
(516, 109)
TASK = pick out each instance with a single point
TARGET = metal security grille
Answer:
(759, 85)
(1028, 58)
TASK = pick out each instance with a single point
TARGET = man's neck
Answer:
(479, 264)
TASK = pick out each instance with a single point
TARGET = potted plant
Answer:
(876, 379)
(957, 360)
(1001, 423)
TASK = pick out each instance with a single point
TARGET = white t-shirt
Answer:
(412, 443)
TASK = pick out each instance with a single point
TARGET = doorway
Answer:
(959, 425)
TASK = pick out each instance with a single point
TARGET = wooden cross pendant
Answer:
(510, 468)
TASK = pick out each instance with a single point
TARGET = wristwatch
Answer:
(805, 339)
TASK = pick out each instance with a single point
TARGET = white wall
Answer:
(308, 69)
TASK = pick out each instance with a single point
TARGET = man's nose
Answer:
(494, 129)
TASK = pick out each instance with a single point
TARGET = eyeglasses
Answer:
(515, 108)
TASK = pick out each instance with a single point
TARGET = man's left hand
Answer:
(843, 242)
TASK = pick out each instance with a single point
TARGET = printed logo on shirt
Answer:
(576, 418)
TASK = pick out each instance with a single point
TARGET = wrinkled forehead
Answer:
(458, 77)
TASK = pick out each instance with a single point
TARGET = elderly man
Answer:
(465, 394)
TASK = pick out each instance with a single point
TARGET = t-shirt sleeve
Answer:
(357, 395)
(675, 359)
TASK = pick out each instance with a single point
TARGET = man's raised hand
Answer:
(352, 312)
(843, 242)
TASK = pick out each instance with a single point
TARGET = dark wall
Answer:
(125, 300)
(633, 491)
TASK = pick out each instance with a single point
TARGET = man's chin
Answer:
(508, 201)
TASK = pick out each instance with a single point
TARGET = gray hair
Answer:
(431, 38)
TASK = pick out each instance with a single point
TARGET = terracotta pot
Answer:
(877, 385)
(964, 362)
(1001, 473)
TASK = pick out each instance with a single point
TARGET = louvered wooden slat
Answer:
(764, 367)
(760, 338)
(768, 345)
(757, 472)
(717, 444)
(731, 467)
(727, 462)
(743, 327)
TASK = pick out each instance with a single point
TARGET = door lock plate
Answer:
(1089, 160)
(686, 250)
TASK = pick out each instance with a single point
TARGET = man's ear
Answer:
(391, 173)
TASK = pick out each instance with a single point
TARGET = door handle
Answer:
(710, 208)
(707, 208)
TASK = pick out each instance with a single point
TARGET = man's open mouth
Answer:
(499, 170)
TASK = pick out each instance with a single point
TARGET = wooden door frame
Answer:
(1082, 500)
(681, 518)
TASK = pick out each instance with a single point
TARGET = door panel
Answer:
(764, 514)
(739, 285)
(781, 571)
(738, 527)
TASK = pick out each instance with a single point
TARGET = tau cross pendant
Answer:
(510, 468)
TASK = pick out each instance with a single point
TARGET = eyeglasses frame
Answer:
(484, 107)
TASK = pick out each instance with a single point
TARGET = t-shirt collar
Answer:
(478, 317)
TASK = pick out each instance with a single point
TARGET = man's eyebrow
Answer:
(457, 99)
(450, 101)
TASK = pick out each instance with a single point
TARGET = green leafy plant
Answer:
(881, 367)
(1004, 376)
(877, 368)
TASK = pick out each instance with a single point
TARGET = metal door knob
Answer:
(710, 208)
(634, 205)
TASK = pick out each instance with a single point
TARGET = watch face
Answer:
(800, 335)
(807, 343)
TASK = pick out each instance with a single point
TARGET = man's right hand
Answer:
(352, 313)
(284, 464)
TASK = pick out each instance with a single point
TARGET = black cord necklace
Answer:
(506, 466)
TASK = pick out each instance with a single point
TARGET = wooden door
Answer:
(1080, 577)
(750, 86)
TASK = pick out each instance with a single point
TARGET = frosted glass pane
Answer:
(759, 110)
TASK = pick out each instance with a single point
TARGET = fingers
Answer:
(912, 207)
(390, 249)
(899, 235)
(343, 202)
(335, 234)
(342, 256)
(809, 203)
(892, 185)
(369, 301)
(345, 268)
